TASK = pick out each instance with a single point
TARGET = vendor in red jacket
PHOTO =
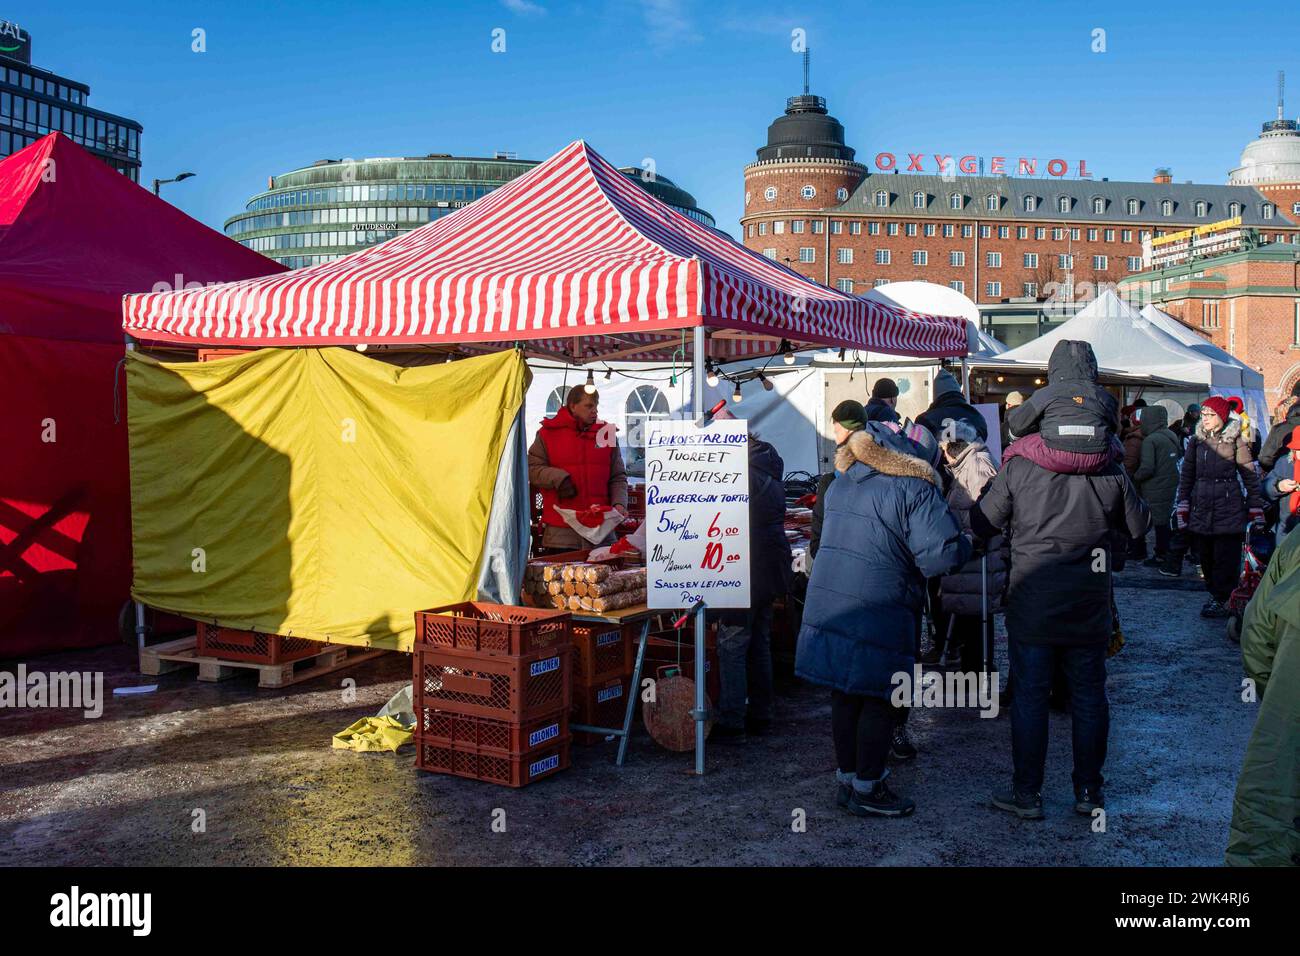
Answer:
(576, 463)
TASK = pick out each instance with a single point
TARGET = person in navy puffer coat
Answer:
(887, 528)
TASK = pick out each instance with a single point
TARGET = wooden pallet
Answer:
(164, 658)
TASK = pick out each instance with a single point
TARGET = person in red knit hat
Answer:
(1217, 465)
(1281, 485)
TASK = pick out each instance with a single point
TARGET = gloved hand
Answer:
(567, 488)
(1181, 512)
(1257, 517)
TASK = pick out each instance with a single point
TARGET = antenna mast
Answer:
(806, 54)
(1281, 89)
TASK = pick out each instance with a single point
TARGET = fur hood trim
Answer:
(860, 447)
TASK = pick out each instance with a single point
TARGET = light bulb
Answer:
(712, 376)
(590, 387)
(608, 373)
(767, 382)
(1001, 378)
(789, 358)
(361, 346)
(736, 396)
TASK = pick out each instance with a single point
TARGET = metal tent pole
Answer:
(697, 409)
(965, 378)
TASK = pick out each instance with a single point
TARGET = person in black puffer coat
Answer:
(1274, 447)
(1210, 502)
(745, 636)
(1073, 412)
(950, 404)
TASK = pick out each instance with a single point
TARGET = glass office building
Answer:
(337, 206)
(35, 102)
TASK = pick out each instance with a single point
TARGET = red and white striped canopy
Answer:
(572, 252)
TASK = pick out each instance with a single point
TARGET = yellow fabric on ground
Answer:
(315, 493)
(374, 734)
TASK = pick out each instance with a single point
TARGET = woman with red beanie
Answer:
(1216, 466)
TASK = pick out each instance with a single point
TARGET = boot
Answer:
(879, 801)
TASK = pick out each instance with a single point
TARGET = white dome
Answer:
(1274, 157)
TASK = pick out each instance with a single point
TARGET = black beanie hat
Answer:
(850, 414)
(884, 388)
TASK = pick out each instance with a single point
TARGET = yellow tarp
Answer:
(314, 492)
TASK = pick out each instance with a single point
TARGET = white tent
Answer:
(1251, 385)
(927, 298)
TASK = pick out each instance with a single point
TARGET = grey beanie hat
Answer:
(945, 382)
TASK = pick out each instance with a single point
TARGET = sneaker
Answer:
(842, 793)
(757, 727)
(880, 801)
(1027, 806)
(1157, 562)
(1213, 609)
(1170, 571)
(724, 734)
(1087, 799)
(900, 747)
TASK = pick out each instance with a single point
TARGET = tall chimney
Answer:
(1163, 175)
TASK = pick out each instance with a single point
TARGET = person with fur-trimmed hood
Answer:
(886, 529)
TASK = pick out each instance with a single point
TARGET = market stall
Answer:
(74, 236)
(571, 262)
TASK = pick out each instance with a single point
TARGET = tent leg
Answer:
(965, 378)
(140, 627)
(697, 409)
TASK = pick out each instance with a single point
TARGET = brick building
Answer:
(1025, 248)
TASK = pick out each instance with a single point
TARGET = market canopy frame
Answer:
(572, 257)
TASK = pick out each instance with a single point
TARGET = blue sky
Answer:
(690, 85)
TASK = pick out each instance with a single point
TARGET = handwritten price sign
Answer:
(697, 514)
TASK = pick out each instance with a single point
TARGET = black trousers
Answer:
(1163, 534)
(861, 728)
(1221, 562)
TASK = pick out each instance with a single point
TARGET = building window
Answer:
(991, 203)
(1267, 210)
(882, 257)
(1022, 232)
(955, 201)
(1166, 207)
(1040, 232)
(844, 285)
(957, 285)
(1031, 290)
(762, 229)
(1132, 205)
(986, 232)
(855, 229)
(1134, 263)
(1065, 261)
(837, 227)
(842, 194)
(1295, 322)
(918, 200)
(967, 231)
(910, 229)
(769, 193)
(1126, 235)
(920, 257)
(644, 405)
(796, 225)
(956, 259)
(1074, 235)
(1004, 232)
(873, 229)
(1031, 203)
(1295, 208)
(807, 254)
(993, 260)
(1092, 235)
(1200, 207)
(1100, 263)
(770, 253)
(993, 289)
(1031, 260)
(891, 229)
(1058, 233)
(1110, 235)
(877, 283)
(929, 229)
(949, 230)
(1234, 209)
(1099, 205)
(1063, 204)
(882, 198)
(778, 227)
(807, 192)
(818, 227)
(844, 257)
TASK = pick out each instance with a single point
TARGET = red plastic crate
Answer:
(511, 770)
(445, 729)
(601, 652)
(513, 689)
(600, 706)
(493, 628)
(232, 645)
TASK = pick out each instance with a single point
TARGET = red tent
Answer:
(75, 235)
(573, 256)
